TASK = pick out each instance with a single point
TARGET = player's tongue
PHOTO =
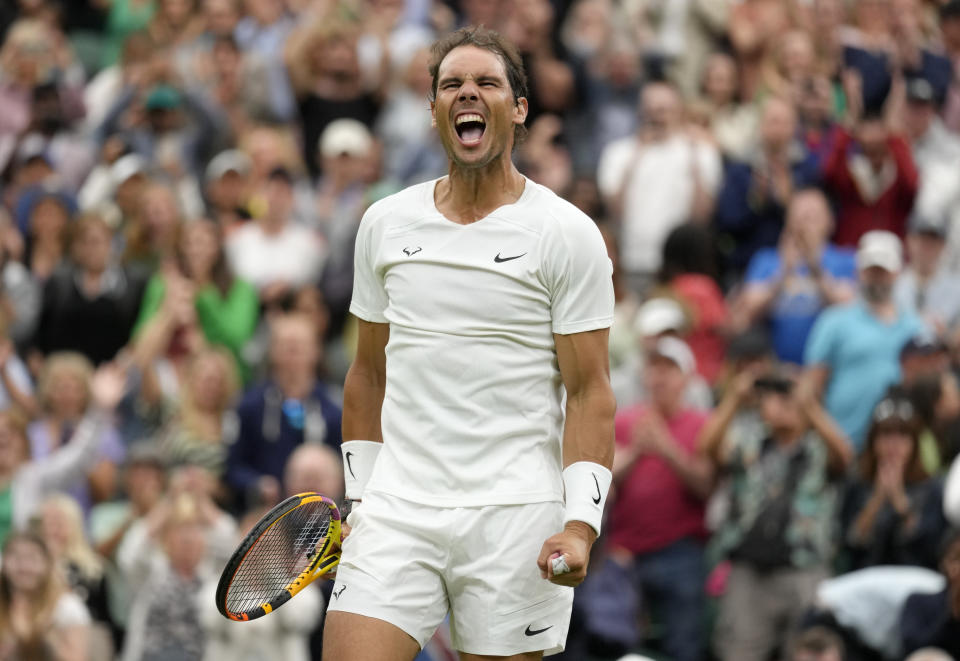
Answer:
(470, 128)
(471, 133)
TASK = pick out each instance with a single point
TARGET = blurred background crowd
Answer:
(778, 182)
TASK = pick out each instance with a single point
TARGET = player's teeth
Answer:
(469, 118)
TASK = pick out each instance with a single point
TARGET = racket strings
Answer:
(278, 557)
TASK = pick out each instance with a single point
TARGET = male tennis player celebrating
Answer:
(481, 296)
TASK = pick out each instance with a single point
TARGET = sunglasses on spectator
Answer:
(890, 409)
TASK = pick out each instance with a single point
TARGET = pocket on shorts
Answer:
(531, 606)
(535, 625)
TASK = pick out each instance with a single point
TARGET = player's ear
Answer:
(520, 109)
(433, 114)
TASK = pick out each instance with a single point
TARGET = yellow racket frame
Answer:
(326, 559)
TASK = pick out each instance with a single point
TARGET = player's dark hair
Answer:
(488, 40)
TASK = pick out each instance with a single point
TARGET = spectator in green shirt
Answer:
(224, 308)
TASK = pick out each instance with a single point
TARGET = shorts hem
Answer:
(383, 617)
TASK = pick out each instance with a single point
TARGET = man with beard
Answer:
(853, 351)
(482, 299)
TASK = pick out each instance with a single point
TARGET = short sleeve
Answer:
(821, 342)
(579, 274)
(842, 264)
(763, 266)
(369, 295)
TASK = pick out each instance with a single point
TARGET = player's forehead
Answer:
(472, 61)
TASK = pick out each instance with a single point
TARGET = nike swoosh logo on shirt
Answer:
(499, 260)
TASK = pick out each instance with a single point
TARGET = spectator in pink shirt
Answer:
(655, 547)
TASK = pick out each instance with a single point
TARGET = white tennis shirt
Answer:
(472, 413)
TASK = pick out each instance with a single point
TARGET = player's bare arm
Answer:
(364, 385)
(587, 437)
(363, 391)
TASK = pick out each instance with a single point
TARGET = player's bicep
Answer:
(583, 359)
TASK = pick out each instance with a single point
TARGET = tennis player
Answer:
(482, 300)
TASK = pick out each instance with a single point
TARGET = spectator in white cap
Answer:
(227, 188)
(655, 544)
(348, 157)
(925, 286)
(666, 317)
(852, 353)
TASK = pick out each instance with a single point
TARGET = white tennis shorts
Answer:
(410, 564)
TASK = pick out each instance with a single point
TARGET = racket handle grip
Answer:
(560, 565)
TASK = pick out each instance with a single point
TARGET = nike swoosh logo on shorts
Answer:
(534, 632)
(499, 260)
(596, 501)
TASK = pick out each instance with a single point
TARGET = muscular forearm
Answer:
(588, 432)
(363, 392)
(366, 381)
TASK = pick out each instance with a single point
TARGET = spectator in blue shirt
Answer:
(274, 418)
(787, 287)
(853, 350)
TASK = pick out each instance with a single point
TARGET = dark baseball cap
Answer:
(752, 344)
(925, 344)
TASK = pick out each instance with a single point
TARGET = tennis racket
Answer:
(294, 543)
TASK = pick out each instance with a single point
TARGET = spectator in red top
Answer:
(688, 270)
(873, 180)
(656, 522)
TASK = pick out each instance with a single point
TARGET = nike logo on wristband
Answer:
(350, 468)
(596, 501)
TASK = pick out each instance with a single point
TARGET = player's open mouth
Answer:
(469, 127)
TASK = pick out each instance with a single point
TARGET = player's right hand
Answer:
(574, 544)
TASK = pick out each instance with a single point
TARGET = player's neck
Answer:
(466, 195)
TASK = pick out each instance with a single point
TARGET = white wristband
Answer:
(585, 485)
(358, 460)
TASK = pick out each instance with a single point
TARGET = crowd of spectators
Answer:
(778, 183)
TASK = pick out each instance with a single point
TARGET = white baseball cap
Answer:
(659, 315)
(127, 166)
(345, 136)
(229, 160)
(676, 351)
(880, 248)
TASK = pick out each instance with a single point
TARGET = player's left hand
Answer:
(574, 544)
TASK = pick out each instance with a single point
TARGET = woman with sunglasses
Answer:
(892, 513)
